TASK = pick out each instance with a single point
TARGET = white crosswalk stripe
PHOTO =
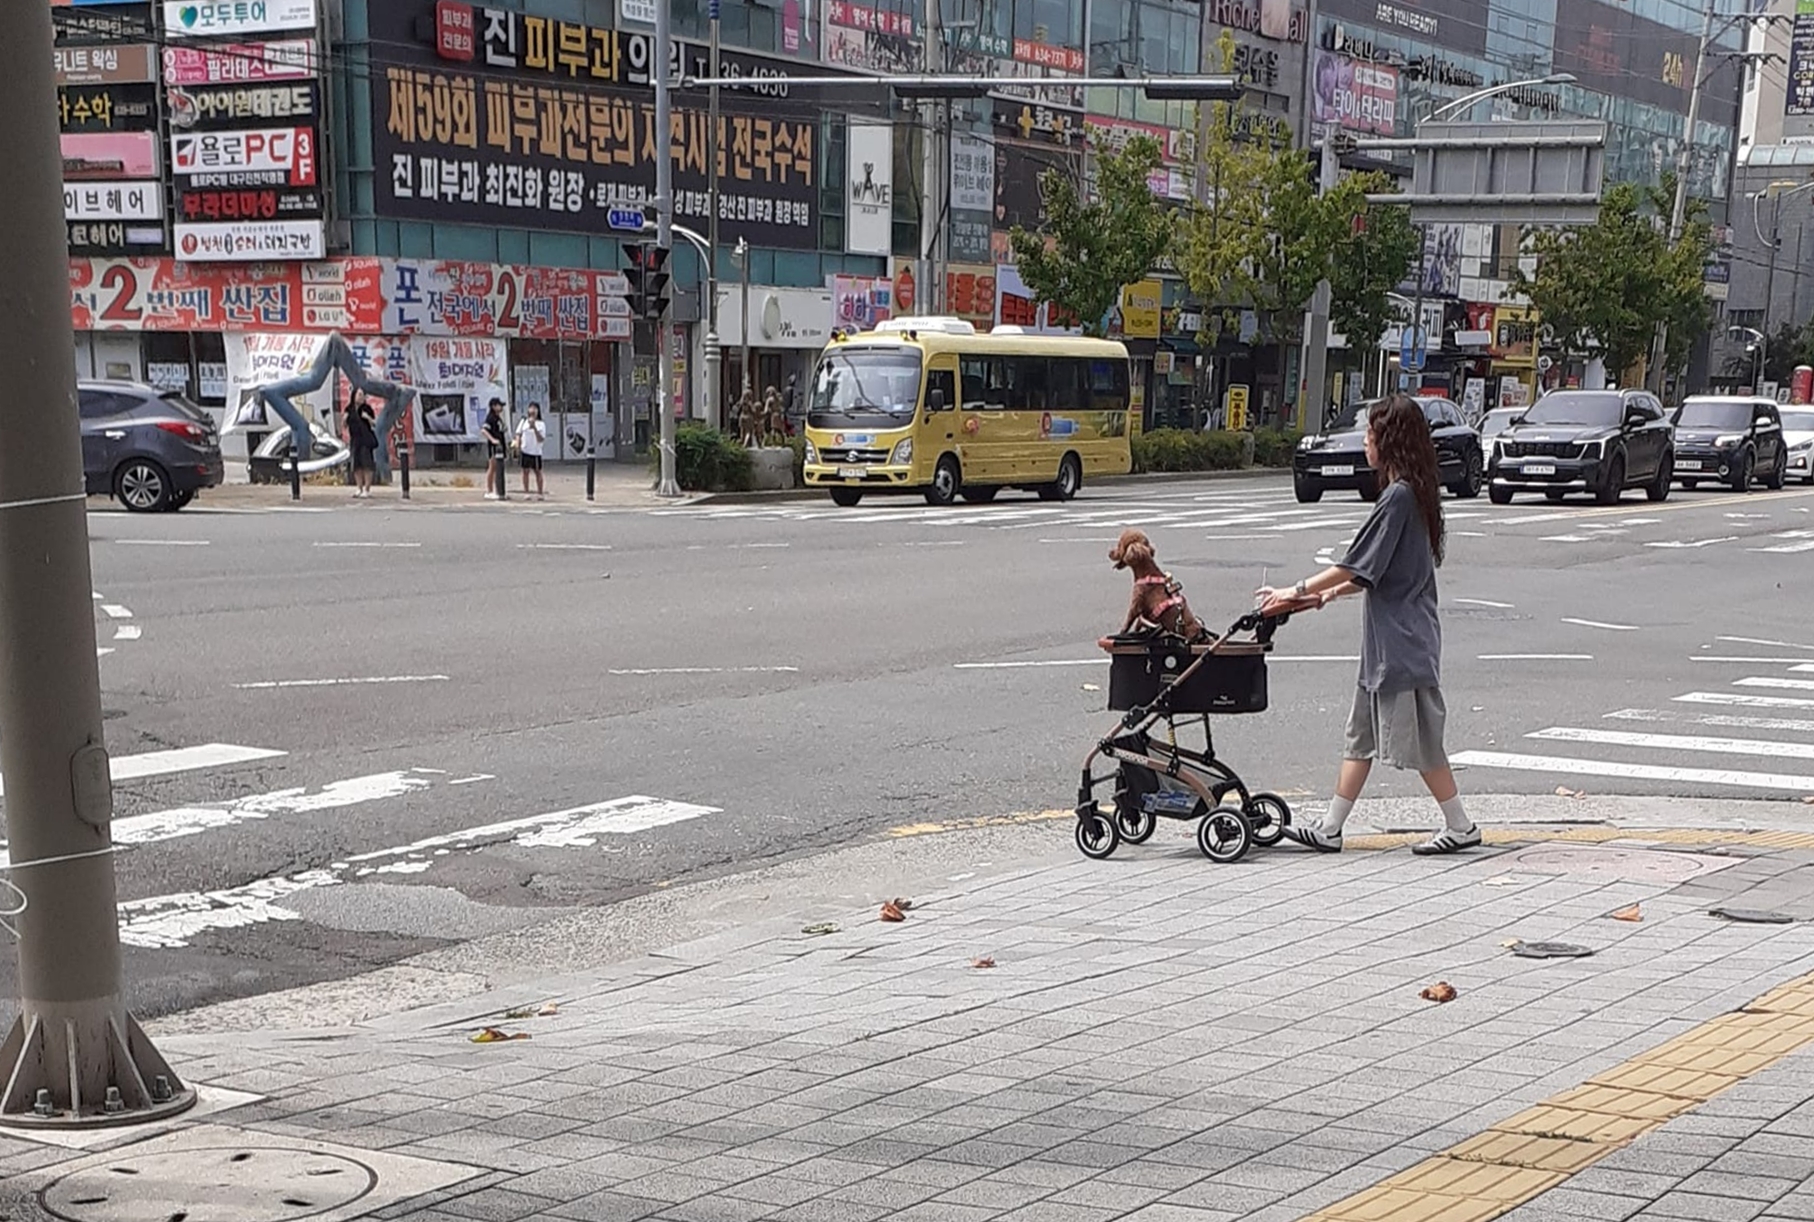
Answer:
(174, 920)
(1666, 758)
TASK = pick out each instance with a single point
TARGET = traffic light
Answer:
(646, 268)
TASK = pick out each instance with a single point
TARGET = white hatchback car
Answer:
(1798, 435)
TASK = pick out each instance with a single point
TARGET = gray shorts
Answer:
(1403, 729)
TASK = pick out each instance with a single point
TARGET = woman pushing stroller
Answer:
(1398, 714)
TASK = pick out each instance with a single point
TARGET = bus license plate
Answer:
(1539, 468)
(850, 473)
(1345, 469)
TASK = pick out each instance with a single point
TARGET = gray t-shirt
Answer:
(1401, 637)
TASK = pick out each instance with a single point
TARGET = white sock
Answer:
(1455, 817)
(1339, 809)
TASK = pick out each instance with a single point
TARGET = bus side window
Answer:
(975, 374)
(1069, 391)
(945, 382)
(995, 390)
(1029, 392)
(1108, 386)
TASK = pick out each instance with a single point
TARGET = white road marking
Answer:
(1090, 539)
(162, 543)
(1482, 602)
(167, 921)
(1469, 534)
(1570, 538)
(1789, 685)
(183, 821)
(1529, 518)
(269, 684)
(115, 611)
(102, 652)
(342, 544)
(1725, 721)
(475, 778)
(1594, 623)
(1743, 700)
(710, 670)
(183, 759)
(1753, 640)
(1786, 548)
(1536, 657)
(930, 543)
(128, 632)
(1678, 543)
(1703, 657)
(1676, 742)
(1635, 772)
(1749, 517)
(565, 547)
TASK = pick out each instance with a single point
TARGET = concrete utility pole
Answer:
(1316, 326)
(1678, 212)
(714, 351)
(932, 198)
(664, 234)
(74, 1057)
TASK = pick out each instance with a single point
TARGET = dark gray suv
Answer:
(151, 449)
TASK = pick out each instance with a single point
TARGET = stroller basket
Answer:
(1231, 680)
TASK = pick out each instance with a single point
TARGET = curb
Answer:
(1116, 481)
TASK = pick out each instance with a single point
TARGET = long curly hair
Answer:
(1407, 455)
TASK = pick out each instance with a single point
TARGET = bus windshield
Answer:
(855, 384)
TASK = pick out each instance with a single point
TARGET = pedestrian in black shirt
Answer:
(362, 438)
(496, 441)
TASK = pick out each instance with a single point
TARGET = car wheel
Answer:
(847, 497)
(1307, 492)
(1743, 472)
(979, 496)
(1471, 478)
(946, 480)
(1499, 496)
(1779, 474)
(1070, 479)
(142, 486)
(1658, 489)
(1613, 486)
(181, 500)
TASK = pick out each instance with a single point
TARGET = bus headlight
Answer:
(812, 453)
(903, 453)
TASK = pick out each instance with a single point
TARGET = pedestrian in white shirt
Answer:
(531, 439)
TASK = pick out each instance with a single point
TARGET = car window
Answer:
(99, 404)
(1799, 420)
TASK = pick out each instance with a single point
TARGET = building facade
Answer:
(442, 181)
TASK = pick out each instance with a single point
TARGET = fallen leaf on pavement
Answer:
(904, 905)
(491, 1035)
(1563, 791)
(821, 929)
(985, 961)
(545, 1010)
(549, 1010)
(891, 911)
(1511, 942)
(1809, 800)
(1629, 913)
(1441, 991)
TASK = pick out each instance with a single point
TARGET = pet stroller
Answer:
(1165, 678)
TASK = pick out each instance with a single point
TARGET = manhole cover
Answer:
(244, 1184)
(1754, 916)
(1550, 950)
(1618, 864)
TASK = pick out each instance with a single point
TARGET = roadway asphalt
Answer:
(464, 696)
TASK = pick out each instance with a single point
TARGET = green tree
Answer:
(1373, 260)
(1088, 250)
(1601, 289)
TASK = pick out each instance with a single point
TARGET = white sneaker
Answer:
(1313, 837)
(491, 496)
(1448, 841)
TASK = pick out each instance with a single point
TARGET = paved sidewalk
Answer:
(1159, 1039)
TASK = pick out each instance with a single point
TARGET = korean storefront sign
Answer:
(526, 135)
(1800, 98)
(233, 18)
(1354, 94)
(366, 296)
(287, 59)
(869, 191)
(972, 197)
(106, 65)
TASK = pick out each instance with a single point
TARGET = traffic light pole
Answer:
(74, 1057)
(664, 234)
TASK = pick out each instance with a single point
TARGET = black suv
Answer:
(1598, 441)
(1732, 439)
(151, 449)
(1337, 458)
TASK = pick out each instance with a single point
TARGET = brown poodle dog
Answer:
(1158, 604)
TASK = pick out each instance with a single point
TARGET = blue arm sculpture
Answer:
(337, 354)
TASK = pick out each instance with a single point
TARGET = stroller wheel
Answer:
(1097, 836)
(1270, 816)
(1224, 835)
(1136, 826)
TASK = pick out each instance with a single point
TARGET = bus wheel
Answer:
(847, 497)
(946, 480)
(1070, 479)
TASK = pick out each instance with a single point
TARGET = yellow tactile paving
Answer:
(1519, 1158)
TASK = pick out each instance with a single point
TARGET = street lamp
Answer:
(1757, 347)
(1778, 191)
(1479, 95)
